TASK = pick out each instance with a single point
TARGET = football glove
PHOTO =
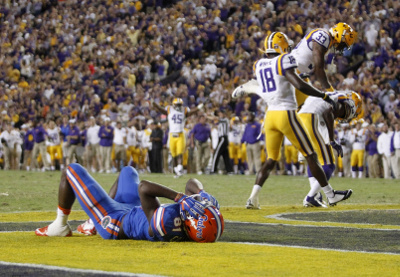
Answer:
(238, 92)
(206, 196)
(188, 205)
(330, 101)
(338, 148)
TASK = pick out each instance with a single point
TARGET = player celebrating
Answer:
(276, 77)
(177, 115)
(135, 212)
(318, 118)
(310, 53)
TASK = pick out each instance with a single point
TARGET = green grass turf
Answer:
(37, 192)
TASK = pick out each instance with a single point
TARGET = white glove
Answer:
(238, 92)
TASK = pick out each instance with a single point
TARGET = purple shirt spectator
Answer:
(39, 134)
(106, 134)
(201, 132)
(74, 135)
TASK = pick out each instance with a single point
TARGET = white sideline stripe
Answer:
(278, 217)
(314, 248)
(316, 226)
(50, 267)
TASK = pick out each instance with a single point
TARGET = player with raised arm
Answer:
(311, 50)
(276, 80)
(132, 209)
(177, 115)
(318, 117)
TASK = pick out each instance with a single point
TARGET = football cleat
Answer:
(252, 203)
(54, 231)
(315, 201)
(178, 171)
(87, 228)
(339, 195)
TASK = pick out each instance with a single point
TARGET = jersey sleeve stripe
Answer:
(157, 221)
(162, 221)
(280, 67)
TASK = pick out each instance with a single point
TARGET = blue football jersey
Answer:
(166, 223)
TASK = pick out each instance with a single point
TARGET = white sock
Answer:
(62, 217)
(255, 191)
(315, 187)
(235, 168)
(354, 174)
(360, 174)
(294, 170)
(328, 190)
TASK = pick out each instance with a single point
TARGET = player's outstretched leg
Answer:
(262, 176)
(60, 226)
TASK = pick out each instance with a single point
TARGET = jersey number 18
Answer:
(267, 80)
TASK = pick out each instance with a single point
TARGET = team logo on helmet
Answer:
(207, 228)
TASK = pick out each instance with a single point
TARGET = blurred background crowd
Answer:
(89, 69)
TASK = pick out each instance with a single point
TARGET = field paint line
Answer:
(314, 226)
(278, 217)
(313, 248)
(51, 267)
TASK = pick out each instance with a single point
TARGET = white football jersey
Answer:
(235, 135)
(357, 138)
(303, 50)
(176, 119)
(131, 138)
(274, 88)
(54, 136)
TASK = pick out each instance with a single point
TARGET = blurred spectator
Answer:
(39, 136)
(384, 150)
(156, 138)
(251, 137)
(106, 134)
(200, 141)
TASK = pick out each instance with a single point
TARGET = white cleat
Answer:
(54, 230)
(339, 195)
(252, 203)
(87, 228)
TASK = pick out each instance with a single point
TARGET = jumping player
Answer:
(311, 50)
(135, 212)
(276, 80)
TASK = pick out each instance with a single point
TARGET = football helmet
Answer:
(276, 42)
(343, 36)
(207, 228)
(358, 103)
(177, 103)
(352, 109)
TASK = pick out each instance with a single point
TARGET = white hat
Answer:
(23, 126)
(72, 120)
(107, 119)
(150, 121)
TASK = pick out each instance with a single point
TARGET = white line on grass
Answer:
(50, 267)
(317, 226)
(312, 248)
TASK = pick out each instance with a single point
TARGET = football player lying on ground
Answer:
(133, 211)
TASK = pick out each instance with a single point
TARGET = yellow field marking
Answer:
(190, 259)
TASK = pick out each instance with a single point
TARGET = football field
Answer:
(359, 237)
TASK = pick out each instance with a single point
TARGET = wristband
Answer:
(178, 196)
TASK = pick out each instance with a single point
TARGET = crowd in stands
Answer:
(74, 64)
